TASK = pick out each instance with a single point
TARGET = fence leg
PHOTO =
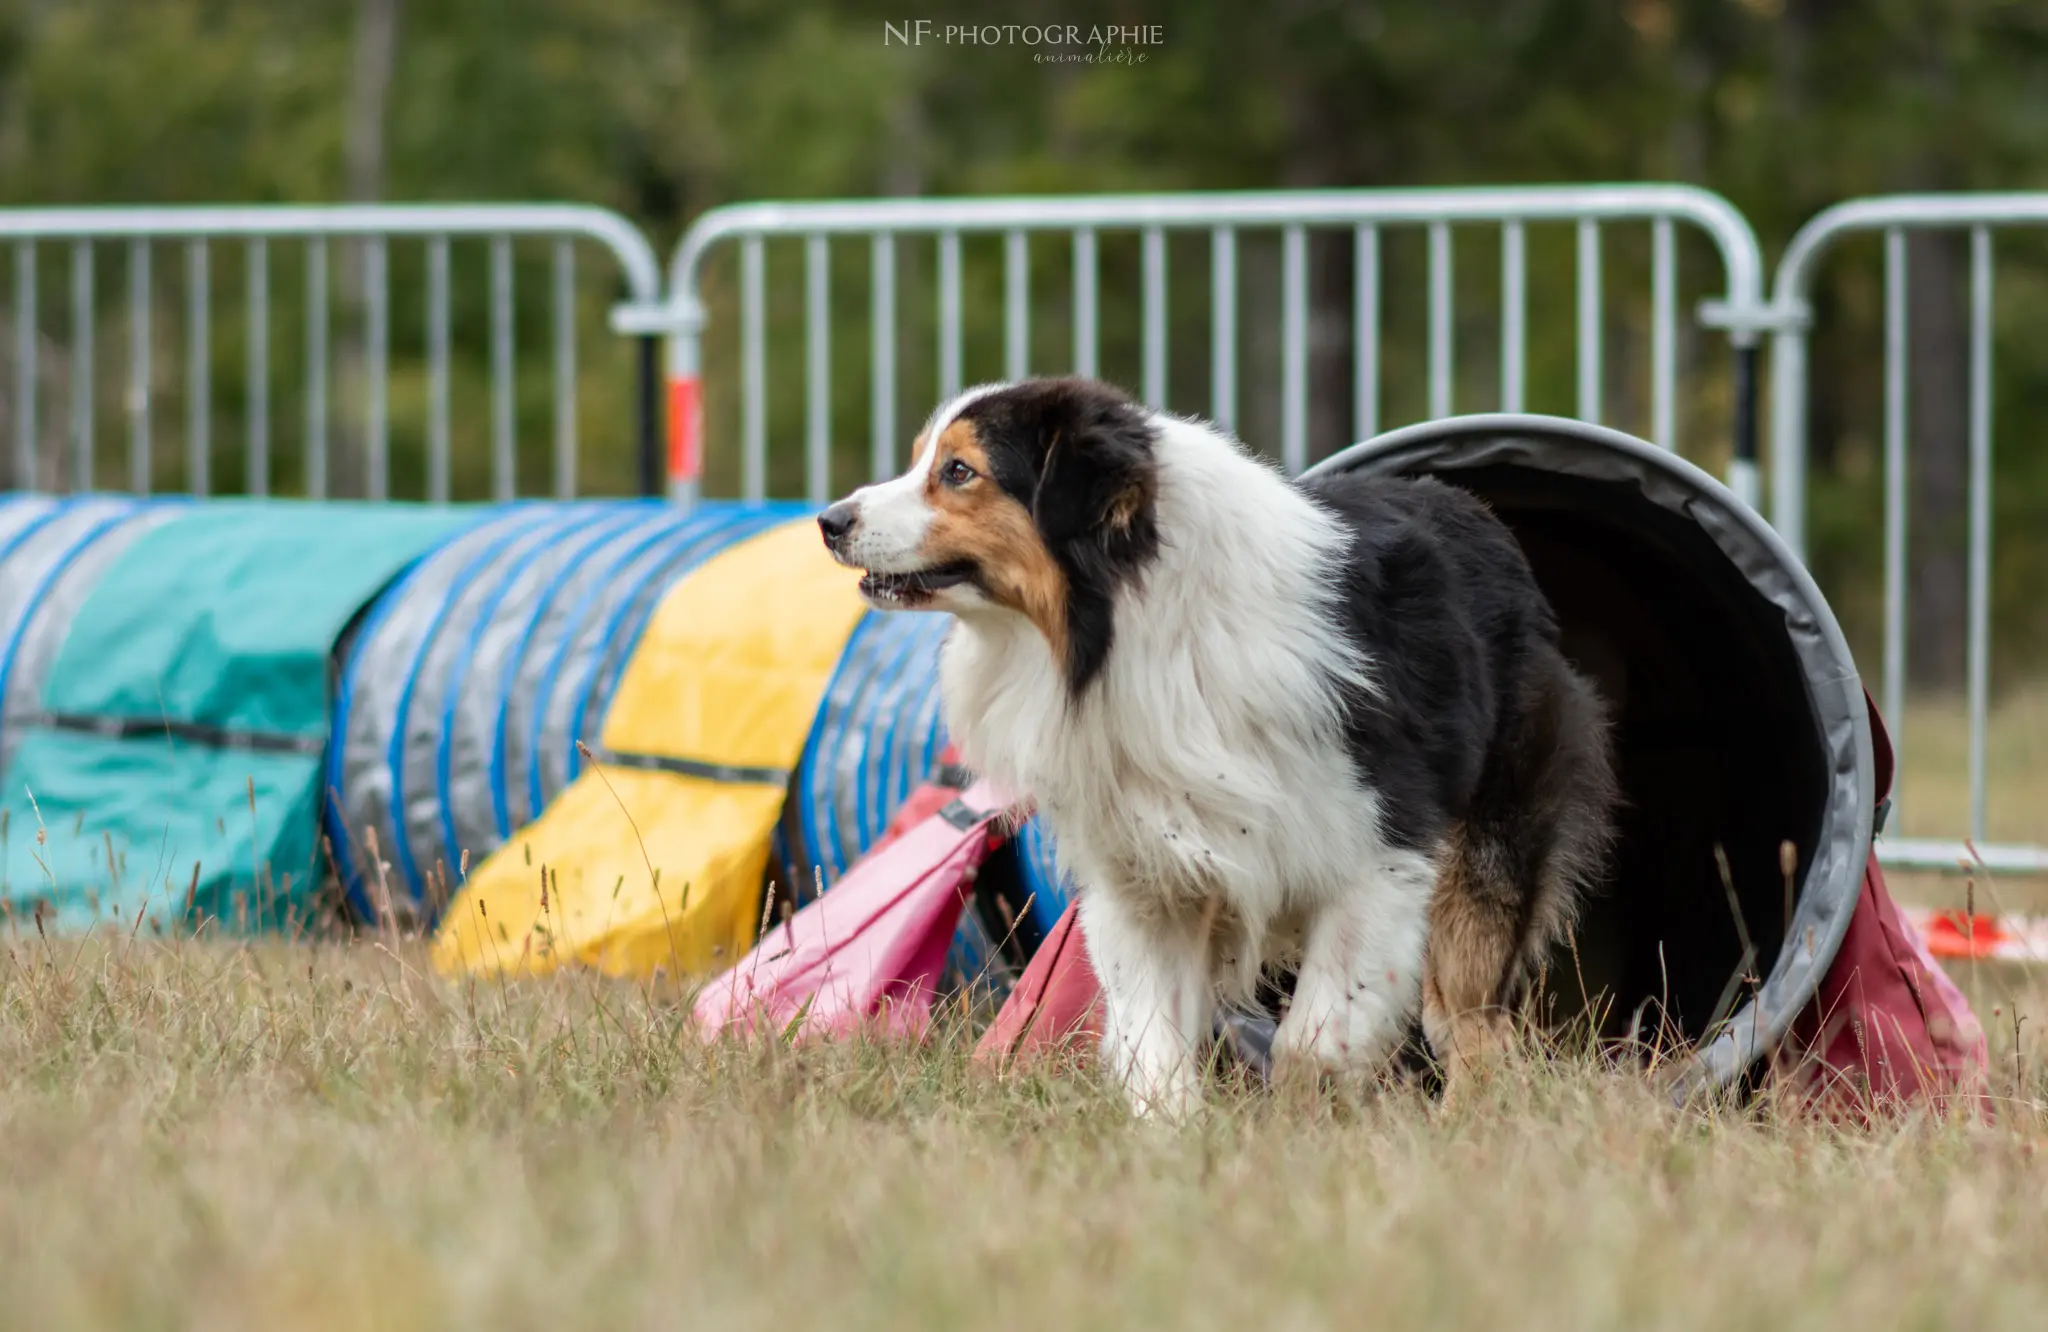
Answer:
(1742, 468)
(649, 413)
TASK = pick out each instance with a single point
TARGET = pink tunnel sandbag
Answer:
(868, 954)
(1887, 1027)
(1055, 1005)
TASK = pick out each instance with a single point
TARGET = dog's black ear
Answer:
(1097, 482)
(1094, 506)
(1082, 458)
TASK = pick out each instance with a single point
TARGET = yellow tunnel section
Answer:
(652, 859)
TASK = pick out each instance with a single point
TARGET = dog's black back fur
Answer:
(1478, 735)
(1440, 597)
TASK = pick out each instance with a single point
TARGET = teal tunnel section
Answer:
(471, 683)
(167, 672)
(210, 706)
(879, 734)
(52, 554)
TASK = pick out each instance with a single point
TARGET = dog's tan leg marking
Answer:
(1475, 933)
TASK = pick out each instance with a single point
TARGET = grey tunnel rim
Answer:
(1833, 882)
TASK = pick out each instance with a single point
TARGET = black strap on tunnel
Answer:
(963, 815)
(950, 775)
(198, 733)
(737, 774)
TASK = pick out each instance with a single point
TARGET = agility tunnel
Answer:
(753, 729)
(167, 678)
(217, 711)
(472, 682)
(655, 858)
(52, 553)
(1747, 751)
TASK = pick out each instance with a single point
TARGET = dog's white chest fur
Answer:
(1204, 771)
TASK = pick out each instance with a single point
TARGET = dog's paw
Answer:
(1169, 1095)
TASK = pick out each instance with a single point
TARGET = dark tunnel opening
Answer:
(1716, 746)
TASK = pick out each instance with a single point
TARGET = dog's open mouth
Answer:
(908, 589)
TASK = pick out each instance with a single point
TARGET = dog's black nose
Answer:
(837, 521)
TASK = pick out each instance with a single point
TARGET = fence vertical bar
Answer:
(198, 370)
(504, 464)
(1788, 435)
(1084, 303)
(1514, 317)
(950, 373)
(81, 364)
(817, 369)
(1589, 320)
(1223, 327)
(438, 464)
(565, 367)
(648, 388)
(1153, 296)
(1442, 373)
(25, 348)
(1294, 348)
(1979, 664)
(1742, 461)
(1016, 305)
(377, 423)
(138, 367)
(1663, 334)
(1894, 685)
(1365, 332)
(753, 369)
(257, 427)
(316, 368)
(882, 357)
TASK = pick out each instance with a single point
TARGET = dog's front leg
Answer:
(1157, 1004)
(1360, 981)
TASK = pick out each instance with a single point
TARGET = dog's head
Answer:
(1034, 499)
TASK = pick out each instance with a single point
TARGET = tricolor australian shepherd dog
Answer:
(1321, 727)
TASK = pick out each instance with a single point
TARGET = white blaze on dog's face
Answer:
(1032, 499)
(896, 517)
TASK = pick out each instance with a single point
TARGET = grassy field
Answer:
(320, 1135)
(265, 1136)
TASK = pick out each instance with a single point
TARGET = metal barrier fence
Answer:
(679, 317)
(373, 228)
(1739, 311)
(1894, 216)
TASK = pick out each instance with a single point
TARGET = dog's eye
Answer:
(956, 473)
